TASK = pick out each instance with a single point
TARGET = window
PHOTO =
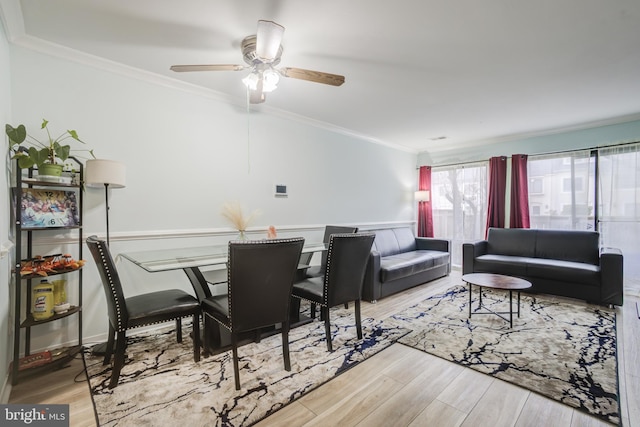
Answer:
(572, 184)
(459, 205)
(619, 204)
(535, 185)
(562, 188)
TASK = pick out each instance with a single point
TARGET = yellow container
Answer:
(42, 301)
(59, 291)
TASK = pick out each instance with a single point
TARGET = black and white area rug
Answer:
(560, 348)
(160, 383)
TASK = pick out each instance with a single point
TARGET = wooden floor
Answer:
(401, 386)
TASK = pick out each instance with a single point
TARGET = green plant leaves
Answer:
(73, 134)
(62, 151)
(46, 151)
(16, 135)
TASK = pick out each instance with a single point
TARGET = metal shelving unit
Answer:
(25, 235)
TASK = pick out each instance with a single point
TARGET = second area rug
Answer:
(161, 385)
(563, 349)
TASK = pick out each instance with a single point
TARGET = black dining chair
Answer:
(318, 270)
(140, 310)
(347, 258)
(261, 274)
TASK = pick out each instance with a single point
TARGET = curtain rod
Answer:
(537, 154)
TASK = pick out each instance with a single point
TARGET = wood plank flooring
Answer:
(401, 386)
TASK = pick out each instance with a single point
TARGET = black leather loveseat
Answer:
(559, 262)
(399, 260)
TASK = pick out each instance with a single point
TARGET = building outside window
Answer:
(562, 199)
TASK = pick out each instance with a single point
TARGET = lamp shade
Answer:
(422, 196)
(100, 172)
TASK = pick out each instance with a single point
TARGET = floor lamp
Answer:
(107, 173)
(104, 173)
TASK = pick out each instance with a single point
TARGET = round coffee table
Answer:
(495, 281)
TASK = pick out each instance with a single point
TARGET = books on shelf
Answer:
(34, 360)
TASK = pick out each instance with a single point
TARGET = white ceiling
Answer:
(416, 70)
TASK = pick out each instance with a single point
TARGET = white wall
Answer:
(188, 153)
(5, 260)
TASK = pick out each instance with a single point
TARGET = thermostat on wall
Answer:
(281, 190)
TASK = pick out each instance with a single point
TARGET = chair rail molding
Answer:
(257, 232)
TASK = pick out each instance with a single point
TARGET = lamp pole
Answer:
(106, 202)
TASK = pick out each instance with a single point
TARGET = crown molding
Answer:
(537, 134)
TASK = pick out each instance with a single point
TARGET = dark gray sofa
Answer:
(399, 261)
(559, 262)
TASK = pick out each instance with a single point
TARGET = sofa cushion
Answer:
(501, 264)
(394, 241)
(405, 264)
(579, 246)
(511, 241)
(565, 271)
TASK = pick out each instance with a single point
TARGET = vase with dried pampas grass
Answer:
(233, 213)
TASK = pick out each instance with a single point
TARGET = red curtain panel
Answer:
(425, 214)
(497, 189)
(519, 217)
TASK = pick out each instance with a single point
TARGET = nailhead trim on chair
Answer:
(326, 276)
(329, 254)
(120, 325)
(309, 301)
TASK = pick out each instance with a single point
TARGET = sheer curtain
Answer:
(619, 204)
(497, 192)
(562, 191)
(459, 205)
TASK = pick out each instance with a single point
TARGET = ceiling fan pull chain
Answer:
(248, 131)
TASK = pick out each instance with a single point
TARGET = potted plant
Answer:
(47, 155)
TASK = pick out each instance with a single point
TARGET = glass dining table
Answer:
(192, 259)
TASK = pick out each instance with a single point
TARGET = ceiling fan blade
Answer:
(312, 76)
(268, 39)
(214, 67)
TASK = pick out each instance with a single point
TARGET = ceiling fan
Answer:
(262, 53)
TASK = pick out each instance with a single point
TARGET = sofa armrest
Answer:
(611, 277)
(433, 244)
(371, 286)
(470, 251)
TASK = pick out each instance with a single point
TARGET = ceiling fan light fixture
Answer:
(270, 79)
(268, 39)
(251, 81)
